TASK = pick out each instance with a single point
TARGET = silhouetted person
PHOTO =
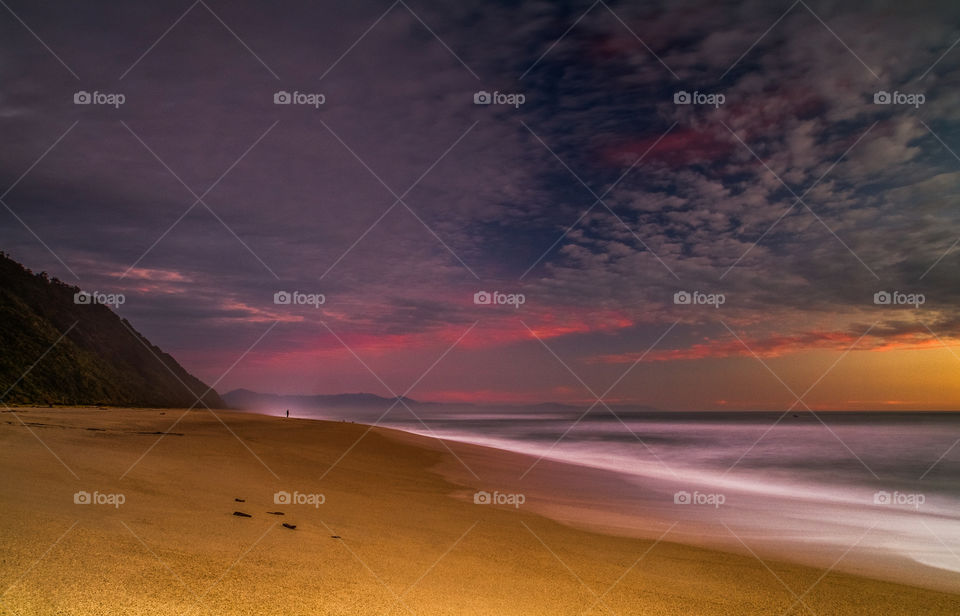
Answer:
(288, 412)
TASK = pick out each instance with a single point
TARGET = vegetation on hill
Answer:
(101, 358)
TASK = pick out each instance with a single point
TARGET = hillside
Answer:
(101, 360)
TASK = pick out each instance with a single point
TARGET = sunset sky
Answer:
(599, 198)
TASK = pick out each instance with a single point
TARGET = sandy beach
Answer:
(382, 526)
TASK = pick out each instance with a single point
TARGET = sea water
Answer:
(867, 492)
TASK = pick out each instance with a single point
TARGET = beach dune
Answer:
(103, 513)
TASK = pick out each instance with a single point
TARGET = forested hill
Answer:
(101, 359)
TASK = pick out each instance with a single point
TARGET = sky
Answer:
(815, 168)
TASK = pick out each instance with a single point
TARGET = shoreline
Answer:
(393, 525)
(595, 499)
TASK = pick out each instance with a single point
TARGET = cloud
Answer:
(306, 199)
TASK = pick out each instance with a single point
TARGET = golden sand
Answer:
(392, 536)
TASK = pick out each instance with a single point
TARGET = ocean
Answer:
(876, 493)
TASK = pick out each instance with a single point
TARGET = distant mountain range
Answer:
(247, 400)
(61, 346)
